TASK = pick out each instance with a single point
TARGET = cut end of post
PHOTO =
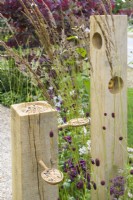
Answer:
(32, 108)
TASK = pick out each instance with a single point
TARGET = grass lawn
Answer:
(130, 117)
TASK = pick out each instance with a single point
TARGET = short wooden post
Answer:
(34, 135)
(108, 49)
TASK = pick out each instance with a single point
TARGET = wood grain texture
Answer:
(31, 143)
(107, 128)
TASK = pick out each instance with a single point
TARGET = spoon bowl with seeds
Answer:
(51, 176)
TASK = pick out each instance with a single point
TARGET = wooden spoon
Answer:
(51, 176)
(76, 122)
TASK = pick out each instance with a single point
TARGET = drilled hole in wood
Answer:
(115, 84)
(97, 40)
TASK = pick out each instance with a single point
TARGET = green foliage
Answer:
(15, 87)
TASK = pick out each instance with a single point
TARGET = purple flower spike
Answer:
(68, 139)
(117, 188)
(82, 163)
(80, 185)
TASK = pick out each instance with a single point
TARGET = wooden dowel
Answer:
(42, 164)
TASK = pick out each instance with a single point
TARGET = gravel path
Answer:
(5, 148)
(5, 154)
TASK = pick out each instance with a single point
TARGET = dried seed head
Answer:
(102, 182)
(93, 162)
(51, 134)
(121, 138)
(113, 115)
(104, 128)
(97, 162)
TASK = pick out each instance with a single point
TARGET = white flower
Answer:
(89, 145)
(87, 31)
(83, 150)
(130, 150)
(124, 1)
(59, 98)
(72, 92)
(130, 156)
(51, 88)
(85, 131)
(58, 104)
(81, 112)
(55, 99)
(60, 120)
(130, 195)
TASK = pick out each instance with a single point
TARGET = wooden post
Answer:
(32, 124)
(108, 49)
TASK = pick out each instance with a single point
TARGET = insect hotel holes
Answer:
(97, 40)
(115, 84)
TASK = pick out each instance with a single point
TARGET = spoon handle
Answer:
(42, 164)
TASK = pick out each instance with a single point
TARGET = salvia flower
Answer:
(92, 162)
(73, 173)
(117, 188)
(82, 163)
(68, 139)
(131, 171)
(80, 184)
(94, 185)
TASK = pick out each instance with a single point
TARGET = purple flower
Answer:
(80, 184)
(88, 177)
(68, 165)
(94, 185)
(131, 171)
(118, 186)
(89, 186)
(82, 163)
(92, 161)
(73, 173)
(68, 139)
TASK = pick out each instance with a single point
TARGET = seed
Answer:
(121, 138)
(51, 134)
(97, 161)
(102, 182)
(113, 115)
(104, 128)
(94, 186)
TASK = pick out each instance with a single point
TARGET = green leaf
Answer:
(82, 52)
(74, 37)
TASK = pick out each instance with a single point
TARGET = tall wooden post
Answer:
(108, 49)
(34, 137)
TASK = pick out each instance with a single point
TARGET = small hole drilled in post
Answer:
(115, 84)
(97, 40)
